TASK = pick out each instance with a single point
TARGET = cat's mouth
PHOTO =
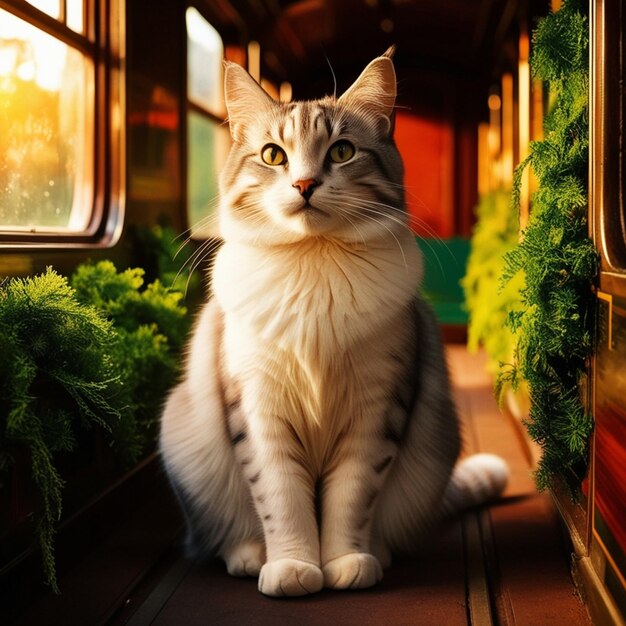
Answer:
(306, 208)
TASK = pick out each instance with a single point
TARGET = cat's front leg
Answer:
(283, 493)
(350, 489)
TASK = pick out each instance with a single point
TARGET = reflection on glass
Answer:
(208, 144)
(205, 52)
(51, 7)
(74, 15)
(46, 131)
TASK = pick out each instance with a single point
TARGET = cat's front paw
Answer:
(352, 571)
(290, 577)
(245, 559)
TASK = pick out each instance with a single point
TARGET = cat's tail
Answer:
(475, 480)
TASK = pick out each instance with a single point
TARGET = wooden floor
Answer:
(506, 564)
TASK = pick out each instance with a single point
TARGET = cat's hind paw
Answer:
(290, 577)
(245, 559)
(352, 571)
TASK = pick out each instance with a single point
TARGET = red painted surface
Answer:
(610, 470)
(427, 149)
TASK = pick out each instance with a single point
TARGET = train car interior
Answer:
(509, 119)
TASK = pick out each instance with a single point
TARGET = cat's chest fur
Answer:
(318, 297)
(308, 328)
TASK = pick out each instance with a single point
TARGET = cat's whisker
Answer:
(202, 223)
(381, 223)
(332, 71)
(435, 236)
(204, 247)
(211, 207)
(187, 241)
(358, 204)
(414, 221)
(426, 242)
(190, 263)
(206, 250)
(356, 228)
(374, 209)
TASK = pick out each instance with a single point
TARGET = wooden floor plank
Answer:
(524, 546)
(430, 592)
(420, 591)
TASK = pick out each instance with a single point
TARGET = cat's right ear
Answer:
(244, 98)
(374, 91)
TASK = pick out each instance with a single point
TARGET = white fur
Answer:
(474, 481)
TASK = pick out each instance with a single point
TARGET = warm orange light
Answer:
(484, 183)
(494, 102)
(523, 73)
(285, 92)
(30, 54)
(270, 88)
(494, 138)
(254, 60)
(236, 54)
(537, 111)
(507, 128)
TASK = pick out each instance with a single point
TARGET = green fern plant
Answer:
(556, 258)
(56, 378)
(100, 352)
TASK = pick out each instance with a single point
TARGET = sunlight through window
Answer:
(208, 140)
(205, 52)
(51, 7)
(46, 131)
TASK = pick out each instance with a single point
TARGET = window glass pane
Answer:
(208, 146)
(46, 131)
(74, 15)
(51, 7)
(205, 52)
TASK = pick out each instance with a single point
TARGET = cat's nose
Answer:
(306, 187)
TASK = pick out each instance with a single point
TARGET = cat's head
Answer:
(327, 167)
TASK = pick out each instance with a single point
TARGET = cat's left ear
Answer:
(244, 98)
(374, 91)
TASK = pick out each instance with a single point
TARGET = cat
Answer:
(313, 433)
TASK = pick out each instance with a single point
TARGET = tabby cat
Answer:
(313, 433)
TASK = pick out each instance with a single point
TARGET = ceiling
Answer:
(464, 39)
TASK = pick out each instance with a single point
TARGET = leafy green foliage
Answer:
(496, 233)
(102, 352)
(59, 377)
(151, 325)
(556, 257)
(169, 257)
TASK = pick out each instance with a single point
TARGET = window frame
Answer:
(104, 43)
(607, 174)
(190, 106)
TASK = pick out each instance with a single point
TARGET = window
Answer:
(208, 139)
(59, 181)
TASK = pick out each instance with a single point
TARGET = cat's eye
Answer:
(341, 151)
(273, 154)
